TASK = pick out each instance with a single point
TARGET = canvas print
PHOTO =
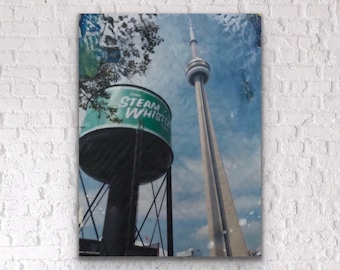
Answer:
(170, 135)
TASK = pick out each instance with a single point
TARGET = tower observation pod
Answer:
(132, 150)
(225, 234)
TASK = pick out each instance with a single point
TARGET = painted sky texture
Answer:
(229, 44)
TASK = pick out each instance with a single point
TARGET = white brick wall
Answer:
(38, 134)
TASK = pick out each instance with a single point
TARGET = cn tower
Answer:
(225, 234)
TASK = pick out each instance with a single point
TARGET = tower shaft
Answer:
(224, 231)
(225, 234)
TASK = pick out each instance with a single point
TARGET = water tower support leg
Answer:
(169, 214)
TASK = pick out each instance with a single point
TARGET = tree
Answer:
(111, 48)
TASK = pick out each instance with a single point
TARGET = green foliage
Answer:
(110, 49)
(88, 61)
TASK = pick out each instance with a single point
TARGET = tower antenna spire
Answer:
(193, 41)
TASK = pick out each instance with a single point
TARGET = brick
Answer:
(25, 235)
(41, 150)
(23, 73)
(331, 72)
(297, 119)
(275, 27)
(40, 264)
(50, 28)
(331, 103)
(15, 148)
(135, 9)
(36, 58)
(23, 89)
(68, 27)
(5, 89)
(56, 74)
(69, 56)
(319, 27)
(10, 43)
(284, 41)
(46, 44)
(7, 57)
(42, 12)
(10, 104)
(282, 11)
(40, 209)
(19, 28)
(325, 118)
(315, 147)
(297, 103)
(313, 56)
(285, 55)
(268, 57)
(281, 2)
(64, 148)
(70, 12)
(36, 253)
(326, 191)
(16, 208)
(13, 120)
(47, 89)
(328, 164)
(271, 118)
(321, 87)
(296, 27)
(297, 192)
(39, 119)
(42, 134)
(334, 148)
(334, 56)
(6, 13)
(295, 88)
(6, 241)
(63, 118)
(36, 178)
(334, 41)
(36, 104)
(171, 9)
(6, 254)
(52, 165)
(318, 11)
(319, 133)
(308, 42)
(296, 73)
(292, 147)
(67, 89)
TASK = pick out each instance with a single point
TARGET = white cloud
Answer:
(242, 222)
(189, 209)
(210, 244)
(246, 204)
(201, 232)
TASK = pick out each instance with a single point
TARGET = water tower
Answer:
(125, 154)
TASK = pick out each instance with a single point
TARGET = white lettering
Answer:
(147, 113)
(124, 102)
(155, 106)
(132, 101)
(140, 102)
(147, 104)
(136, 114)
(137, 108)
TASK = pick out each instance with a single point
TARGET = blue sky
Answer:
(227, 43)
